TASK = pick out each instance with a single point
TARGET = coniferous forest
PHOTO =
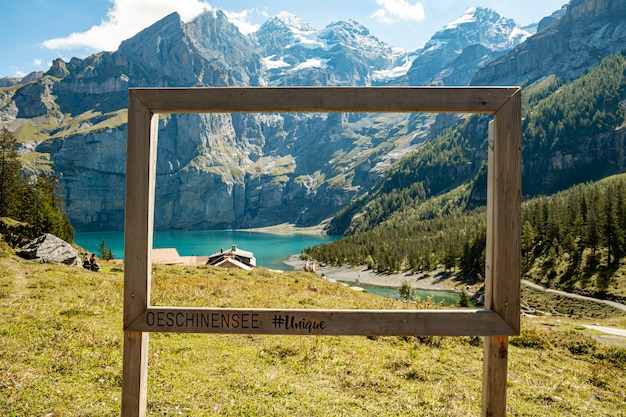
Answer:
(567, 238)
(422, 215)
(30, 205)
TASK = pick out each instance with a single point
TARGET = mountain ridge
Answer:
(588, 31)
(261, 169)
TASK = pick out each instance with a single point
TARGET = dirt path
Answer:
(608, 330)
(576, 296)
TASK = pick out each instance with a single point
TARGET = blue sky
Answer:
(34, 32)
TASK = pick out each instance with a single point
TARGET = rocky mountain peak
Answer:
(484, 26)
(566, 48)
(291, 21)
(343, 53)
(173, 53)
(477, 26)
(58, 69)
(282, 34)
(553, 18)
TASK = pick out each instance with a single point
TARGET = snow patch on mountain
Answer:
(273, 62)
(311, 63)
(468, 17)
(293, 22)
(393, 73)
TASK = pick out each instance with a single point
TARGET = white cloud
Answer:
(37, 62)
(18, 72)
(125, 19)
(392, 10)
(242, 21)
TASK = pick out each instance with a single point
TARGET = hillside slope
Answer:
(61, 353)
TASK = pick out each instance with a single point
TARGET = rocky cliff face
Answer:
(589, 31)
(238, 170)
(592, 159)
(213, 170)
(453, 54)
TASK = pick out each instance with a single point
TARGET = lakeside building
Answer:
(170, 256)
(233, 258)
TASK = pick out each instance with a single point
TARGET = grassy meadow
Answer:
(61, 353)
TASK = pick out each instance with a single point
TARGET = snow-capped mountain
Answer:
(568, 43)
(455, 52)
(342, 53)
(240, 170)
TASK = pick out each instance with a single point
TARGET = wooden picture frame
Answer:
(500, 317)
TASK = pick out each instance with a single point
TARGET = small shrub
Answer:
(464, 299)
(530, 339)
(406, 292)
(614, 354)
(105, 253)
(579, 344)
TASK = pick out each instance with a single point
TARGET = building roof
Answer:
(235, 251)
(233, 263)
(166, 256)
(170, 256)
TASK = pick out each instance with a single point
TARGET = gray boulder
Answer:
(48, 248)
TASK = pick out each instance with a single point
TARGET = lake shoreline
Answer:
(290, 228)
(270, 246)
(437, 281)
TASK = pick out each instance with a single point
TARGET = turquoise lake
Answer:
(270, 250)
(448, 298)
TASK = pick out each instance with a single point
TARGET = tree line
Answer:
(29, 205)
(573, 235)
(426, 211)
(569, 237)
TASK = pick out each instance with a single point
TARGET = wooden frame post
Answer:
(500, 318)
(503, 253)
(138, 229)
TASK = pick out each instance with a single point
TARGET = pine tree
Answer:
(528, 245)
(10, 174)
(105, 252)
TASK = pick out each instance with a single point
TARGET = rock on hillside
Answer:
(48, 248)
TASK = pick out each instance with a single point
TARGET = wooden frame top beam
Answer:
(325, 99)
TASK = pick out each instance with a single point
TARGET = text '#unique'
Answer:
(288, 322)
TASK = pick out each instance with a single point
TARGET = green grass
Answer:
(61, 354)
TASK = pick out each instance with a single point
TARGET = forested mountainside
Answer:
(429, 208)
(571, 132)
(574, 239)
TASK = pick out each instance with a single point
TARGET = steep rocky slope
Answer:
(242, 170)
(589, 31)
